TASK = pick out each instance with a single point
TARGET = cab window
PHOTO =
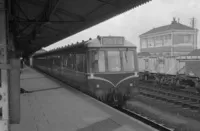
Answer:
(114, 62)
(98, 61)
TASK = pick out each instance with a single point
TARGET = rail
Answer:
(145, 120)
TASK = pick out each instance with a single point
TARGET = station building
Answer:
(170, 40)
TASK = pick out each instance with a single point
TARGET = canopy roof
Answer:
(91, 43)
(39, 23)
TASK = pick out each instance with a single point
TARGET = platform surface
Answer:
(54, 106)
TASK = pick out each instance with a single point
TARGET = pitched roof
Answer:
(40, 51)
(173, 26)
(194, 53)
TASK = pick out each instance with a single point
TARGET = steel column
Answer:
(4, 104)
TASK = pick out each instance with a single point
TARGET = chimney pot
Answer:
(174, 20)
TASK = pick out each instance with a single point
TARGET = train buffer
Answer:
(53, 106)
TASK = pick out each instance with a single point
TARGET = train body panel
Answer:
(123, 83)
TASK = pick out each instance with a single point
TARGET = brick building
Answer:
(174, 39)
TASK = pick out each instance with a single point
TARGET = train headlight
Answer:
(97, 86)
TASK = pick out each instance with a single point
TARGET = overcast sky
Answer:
(139, 20)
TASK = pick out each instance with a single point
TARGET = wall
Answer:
(177, 41)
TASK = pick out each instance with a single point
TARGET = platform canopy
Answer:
(39, 23)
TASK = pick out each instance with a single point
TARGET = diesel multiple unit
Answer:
(104, 67)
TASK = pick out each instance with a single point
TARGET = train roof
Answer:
(117, 41)
(194, 53)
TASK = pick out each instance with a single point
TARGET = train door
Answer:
(80, 70)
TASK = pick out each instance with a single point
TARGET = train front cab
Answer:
(113, 71)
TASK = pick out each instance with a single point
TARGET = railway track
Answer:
(167, 87)
(145, 120)
(171, 97)
(171, 102)
(192, 102)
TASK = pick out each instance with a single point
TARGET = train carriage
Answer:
(179, 71)
(161, 64)
(105, 67)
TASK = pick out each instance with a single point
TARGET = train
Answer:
(178, 72)
(105, 67)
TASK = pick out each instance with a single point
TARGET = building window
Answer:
(182, 39)
(167, 39)
(143, 43)
(188, 38)
(150, 42)
(158, 41)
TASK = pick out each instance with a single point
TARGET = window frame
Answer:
(91, 59)
(121, 49)
(134, 62)
(83, 57)
(120, 55)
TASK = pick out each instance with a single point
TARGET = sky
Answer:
(139, 20)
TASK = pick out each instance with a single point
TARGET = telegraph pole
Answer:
(193, 25)
(193, 22)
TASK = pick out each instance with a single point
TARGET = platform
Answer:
(53, 106)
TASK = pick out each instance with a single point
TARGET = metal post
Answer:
(4, 104)
(172, 44)
(195, 39)
(14, 91)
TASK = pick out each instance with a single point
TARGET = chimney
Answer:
(193, 22)
(174, 20)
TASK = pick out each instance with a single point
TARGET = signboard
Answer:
(112, 40)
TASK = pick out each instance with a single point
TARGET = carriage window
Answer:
(70, 61)
(84, 63)
(128, 60)
(98, 61)
(65, 60)
(57, 60)
(80, 61)
(114, 61)
(101, 61)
